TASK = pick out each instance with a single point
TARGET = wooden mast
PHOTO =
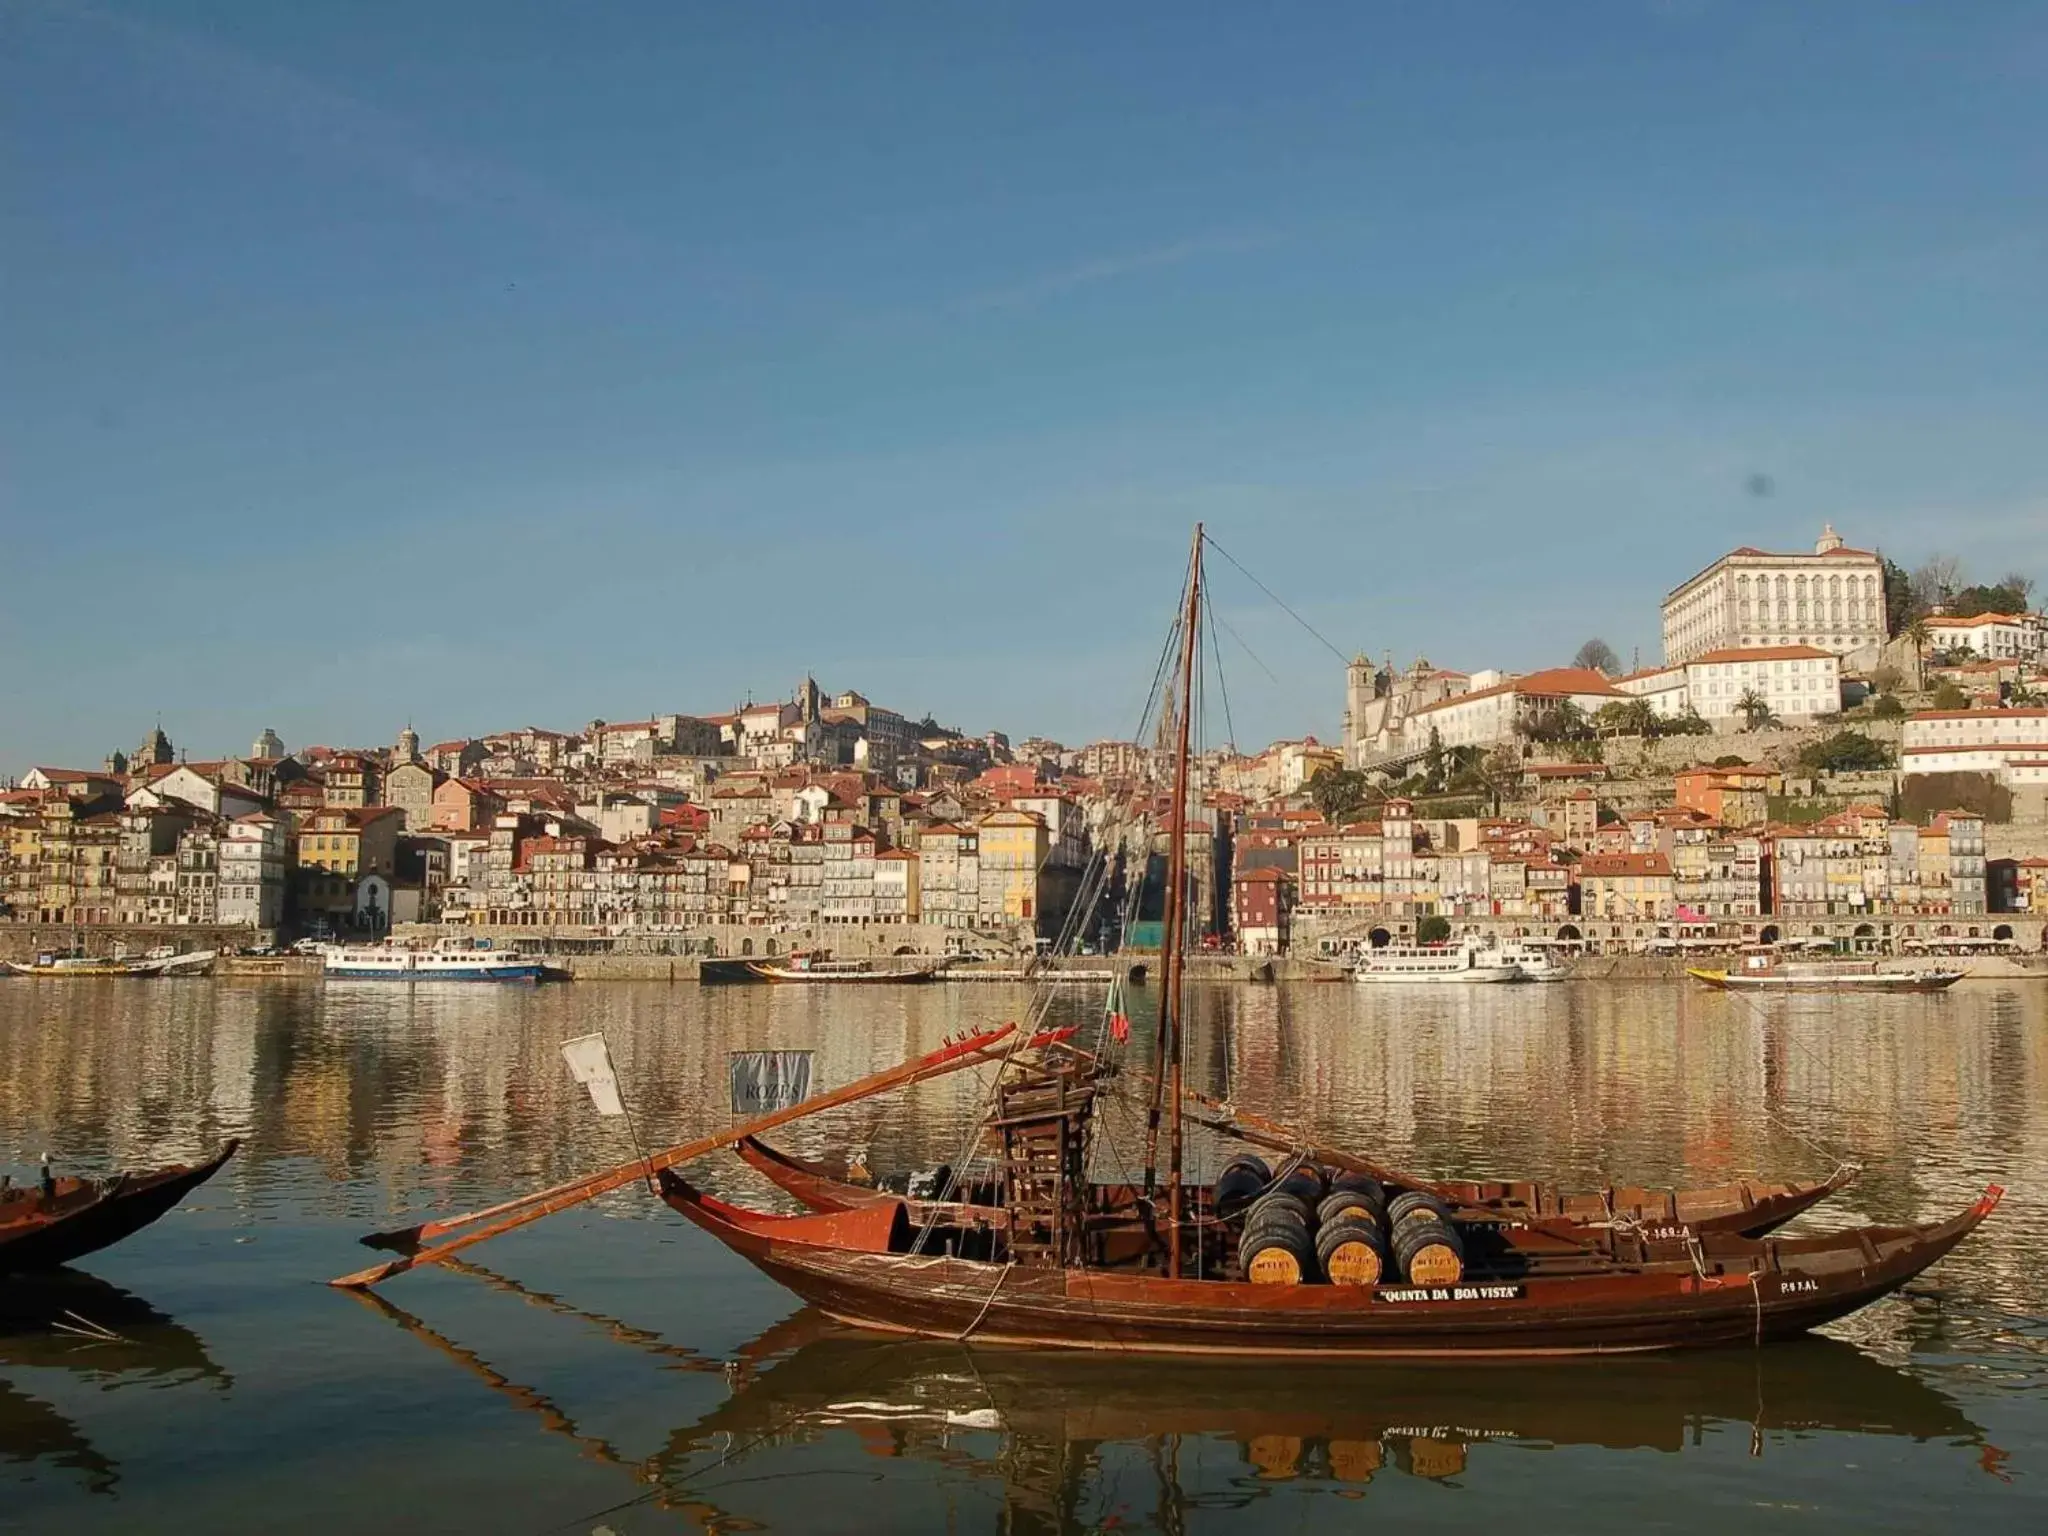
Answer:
(1166, 1074)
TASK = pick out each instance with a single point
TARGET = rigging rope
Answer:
(1304, 623)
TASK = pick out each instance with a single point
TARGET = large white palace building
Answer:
(1832, 600)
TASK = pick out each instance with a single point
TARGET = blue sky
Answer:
(486, 363)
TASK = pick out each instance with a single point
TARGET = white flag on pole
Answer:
(590, 1063)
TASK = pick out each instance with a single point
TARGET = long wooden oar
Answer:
(517, 1213)
(1272, 1135)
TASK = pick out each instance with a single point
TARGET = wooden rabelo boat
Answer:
(60, 1220)
(1761, 970)
(1508, 1270)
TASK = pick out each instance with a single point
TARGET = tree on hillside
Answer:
(1433, 929)
(1756, 713)
(1935, 581)
(1337, 792)
(1845, 752)
(1949, 696)
(1917, 635)
(1433, 763)
(2010, 595)
(1687, 722)
(1598, 655)
(1626, 717)
(1886, 707)
(1562, 722)
(1898, 599)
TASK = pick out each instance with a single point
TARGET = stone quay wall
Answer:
(24, 941)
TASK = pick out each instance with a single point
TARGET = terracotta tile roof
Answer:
(1762, 653)
(1981, 714)
(1550, 683)
(1951, 621)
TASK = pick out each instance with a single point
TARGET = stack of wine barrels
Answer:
(1277, 1247)
(1426, 1245)
(1349, 1242)
(1339, 1227)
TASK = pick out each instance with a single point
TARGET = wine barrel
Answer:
(1277, 1255)
(1362, 1184)
(1236, 1188)
(1402, 1206)
(1254, 1164)
(1340, 1202)
(1277, 1211)
(1351, 1251)
(1429, 1251)
(1305, 1184)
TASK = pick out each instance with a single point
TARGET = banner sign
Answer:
(590, 1063)
(765, 1081)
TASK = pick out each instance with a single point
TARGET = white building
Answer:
(2011, 744)
(1832, 599)
(252, 870)
(1664, 687)
(896, 887)
(1993, 636)
(1796, 681)
(1488, 716)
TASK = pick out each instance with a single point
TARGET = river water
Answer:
(616, 1370)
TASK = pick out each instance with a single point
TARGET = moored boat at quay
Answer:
(817, 965)
(446, 961)
(139, 967)
(59, 1220)
(1762, 970)
(1435, 964)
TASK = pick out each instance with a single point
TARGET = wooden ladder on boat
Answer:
(1042, 1119)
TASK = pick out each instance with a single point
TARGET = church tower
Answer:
(1361, 686)
(155, 751)
(408, 749)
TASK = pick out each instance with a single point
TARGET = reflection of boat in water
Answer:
(60, 1220)
(109, 1339)
(1654, 1403)
(805, 1379)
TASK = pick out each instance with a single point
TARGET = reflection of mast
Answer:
(707, 1515)
(37, 1432)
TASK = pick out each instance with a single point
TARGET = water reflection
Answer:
(1048, 1430)
(363, 1107)
(73, 1328)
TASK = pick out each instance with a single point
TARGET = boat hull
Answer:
(898, 978)
(843, 1265)
(38, 1232)
(523, 972)
(1896, 981)
(1476, 976)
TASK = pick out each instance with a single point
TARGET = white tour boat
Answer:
(1536, 962)
(446, 961)
(1399, 964)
